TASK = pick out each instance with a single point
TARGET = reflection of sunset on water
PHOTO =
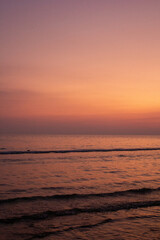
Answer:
(57, 194)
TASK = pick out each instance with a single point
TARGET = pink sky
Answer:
(89, 66)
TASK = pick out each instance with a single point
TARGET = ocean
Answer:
(79, 187)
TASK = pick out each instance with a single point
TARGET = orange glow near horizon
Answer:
(92, 61)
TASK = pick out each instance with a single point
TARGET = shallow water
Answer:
(80, 187)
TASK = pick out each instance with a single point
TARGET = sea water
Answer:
(79, 187)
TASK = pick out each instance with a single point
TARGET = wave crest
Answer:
(75, 211)
(78, 151)
(79, 196)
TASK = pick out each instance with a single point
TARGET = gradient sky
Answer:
(87, 66)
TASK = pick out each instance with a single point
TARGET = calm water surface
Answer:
(80, 187)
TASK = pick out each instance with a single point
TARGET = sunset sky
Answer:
(87, 66)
